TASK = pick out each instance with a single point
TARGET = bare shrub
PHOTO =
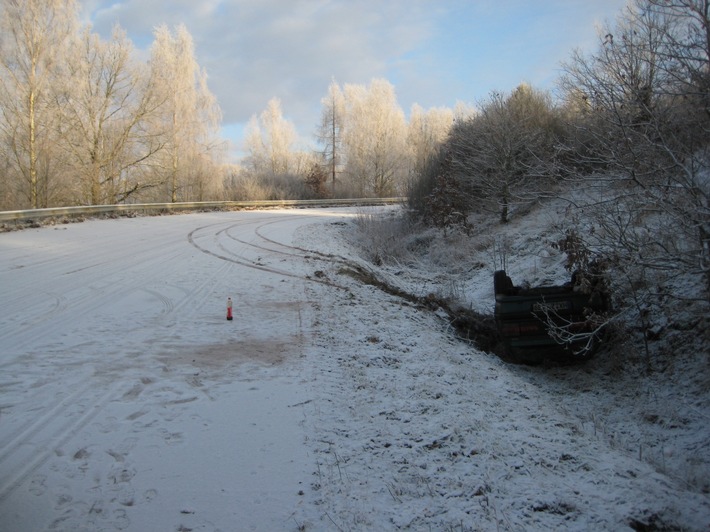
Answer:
(246, 186)
(384, 237)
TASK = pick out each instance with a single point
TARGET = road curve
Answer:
(118, 366)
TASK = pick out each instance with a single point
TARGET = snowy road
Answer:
(129, 402)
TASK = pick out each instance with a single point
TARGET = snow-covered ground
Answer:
(129, 402)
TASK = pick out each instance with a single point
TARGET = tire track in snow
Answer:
(50, 304)
(168, 305)
(35, 425)
(40, 441)
(224, 253)
(293, 251)
(90, 300)
(199, 294)
(311, 253)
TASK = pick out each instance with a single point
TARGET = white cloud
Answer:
(434, 52)
(254, 50)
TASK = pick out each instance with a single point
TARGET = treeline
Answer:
(367, 148)
(85, 122)
(88, 121)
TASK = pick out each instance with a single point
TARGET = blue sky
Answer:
(435, 52)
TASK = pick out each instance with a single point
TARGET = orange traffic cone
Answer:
(229, 308)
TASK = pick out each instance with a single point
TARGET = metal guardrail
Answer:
(91, 210)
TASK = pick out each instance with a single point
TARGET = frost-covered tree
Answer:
(275, 167)
(35, 37)
(367, 140)
(502, 153)
(270, 142)
(426, 132)
(189, 116)
(330, 132)
(375, 139)
(645, 126)
(105, 113)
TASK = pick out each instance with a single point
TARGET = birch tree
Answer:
(426, 132)
(270, 142)
(374, 139)
(190, 115)
(105, 113)
(34, 41)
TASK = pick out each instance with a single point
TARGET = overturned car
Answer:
(550, 322)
